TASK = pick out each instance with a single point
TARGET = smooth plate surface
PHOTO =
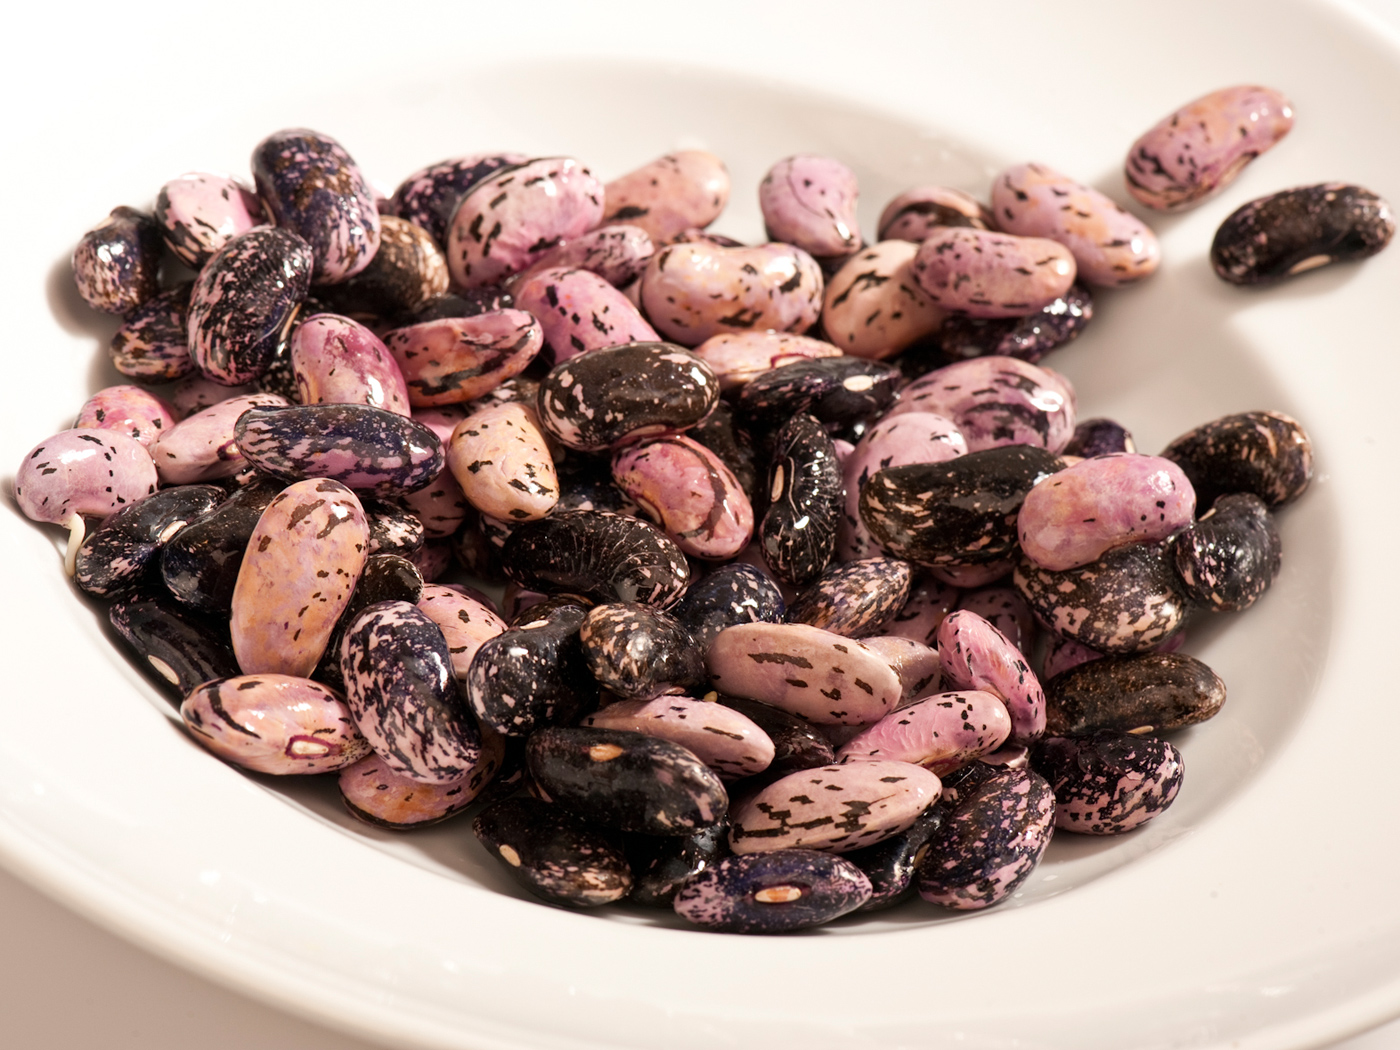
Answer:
(1255, 913)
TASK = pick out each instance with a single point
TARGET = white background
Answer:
(67, 984)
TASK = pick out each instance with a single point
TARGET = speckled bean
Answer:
(200, 212)
(1266, 453)
(685, 189)
(725, 740)
(374, 793)
(1108, 784)
(930, 600)
(339, 360)
(532, 675)
(990, 843)
(153, 342)
(502, 463)
(897, 440)
(579, 311)
(203, 447)
(244, 302)
(873, 307)
(184, 650)
(128, 410)
(310, 185)
(691, 292)
(1111, 246)
(509, 219)
(941, 732)
(465, 622)
(1074, 516)
(408, 271)
(805, 491)
(985, 274)
(773, 892)
(854, 598)
(429, 196)
(845, 394)
(916, 213)
(83, 471)
(730, 594)
(835, 808)
(810, 201)
(1293, 231)
(1030, 337)
(618, 254)
(820, 676)
(1228, 558)
(637, 651)
(1146, 693)
(1099, 437)
(1200, 149)
(115, 263)
(975, 655)
(738, 357)
(455, 359)
(918, 666)
(274, 723)
(117, 556)
(1004, 609)
(554, 854)
(997, 401)
(687, 490)
(302, 563)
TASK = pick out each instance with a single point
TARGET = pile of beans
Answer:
(779, 524)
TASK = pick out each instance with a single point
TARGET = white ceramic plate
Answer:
(1258, 912)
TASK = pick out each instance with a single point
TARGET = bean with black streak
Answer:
(730, 594)
(1228, 558)
(1108, 783)
(532, 675)
(637, 651)
(115, 263)
(554, 854)
(117, 556)
(1266, 453)
(182, 648)
(855, 598)
(806, 493)
(1149, 692)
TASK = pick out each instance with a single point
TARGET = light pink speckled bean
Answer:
(579, 311)
(983, 274)
(685, 189)
(509, 219)
(128, 409)
(976, 655)
(339, 360)
(458, 359)
(817, 675)
(1110, 246)
(687, 489)
(466, 623)
(194, 393)
(915, 213)
(693, 291)
(618, 254)
(834, 808)
(303, 560)
(274, 723)
(200, 212)
(942, 732)
(1204, 145)
(810, 201)
(726, 741)
(500, 459)
(379, 796)
(873, 306)
(201, 447)
(83, 471)
(895, 441)
(737, 357)
(996, 401)
(1075, 515)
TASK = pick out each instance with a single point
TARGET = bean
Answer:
(118, 555)
(1108, 784)
(941, 732)
(1004, 609)
(554, 854)
(845, 394)
(1268, 454)
(1099, 437)
(183, 649)
(775, 892)
(1146, 693)
(429, 196)
(83, 471)
(201, 212)
(919, 668)
(873, 306)
(466, 624)
(798, 531)
(579, 311)
(115, 263)
(339, 360)
(916, 213)
(1202, 147)
(685, 189)
(728, 595)
(1029, 338)
(725, 740)
(637, 651)
(407, 271)
(687, 490)
(129, 410)
(855, 598)
(450, 360)
(975, 655)
(662, 865)
(738, 357)
(499, 457)
(1228, 558)
(533, 674)
(374, 793)
(153, 342)
(983, 274)
(618, 254)
(810, 201)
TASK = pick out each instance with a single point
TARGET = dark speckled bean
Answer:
(730, 594)
(1108, 783)
(115, 263)
(429, 196)
(625, 780)
(1028, 338)
(810, 201)
(366, 449)
(400, 688)
(129, 410)
(962, 511)
(450, 360)
(1293, 231)
(806, 492)
(117, 555)
(153, 342)
(311, 185)
(777, 892)
(274, 723)
(1150, 692)
(1266, 453)
(837, 808)
(609, 398)
(244, 302)
(608, 557)
(840, 392)
(83, 471)
(554, 854)
(512, 217)
(1128, 601)
(915, 213)
(1099, 437)
(892, 865)
(1228, 558)
(385, 578)
(817, 675)
(199, 564)
(661, 865)
(638, 652)
(532, 675)
(854, 598)
(406, 272)
(200, 212)
(990, 843)
(183, 649)
(460, 303)
(796, 743)
(689, 492)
